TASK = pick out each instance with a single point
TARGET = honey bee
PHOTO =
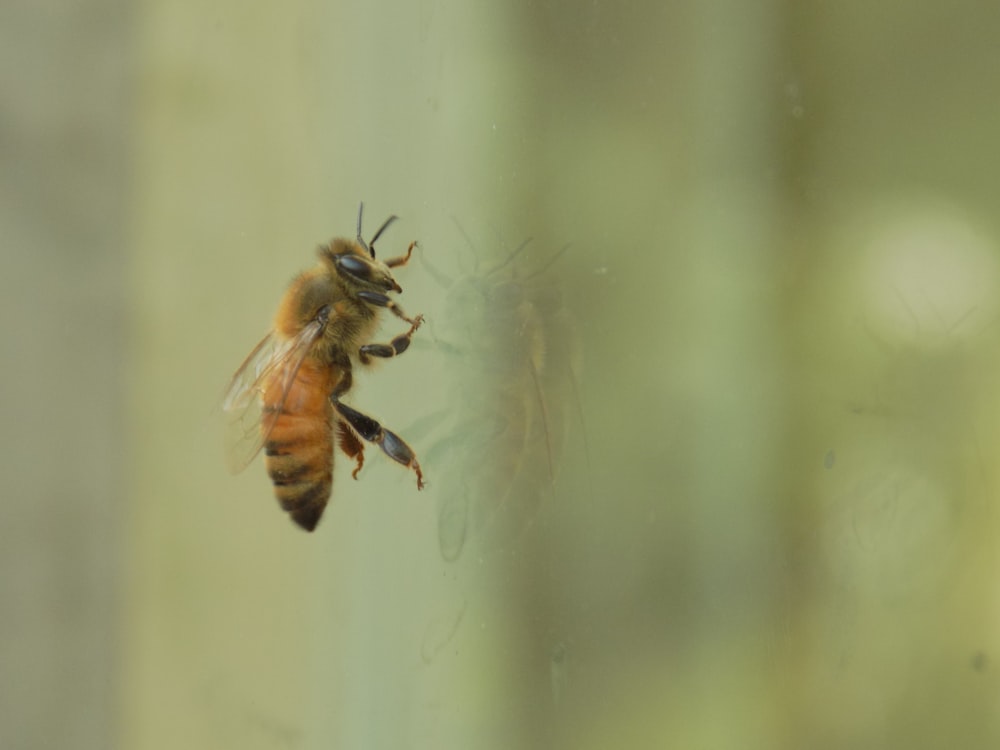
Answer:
(286, 396)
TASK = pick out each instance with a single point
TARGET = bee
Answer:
(287, 395)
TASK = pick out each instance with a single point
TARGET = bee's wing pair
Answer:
(273, 363)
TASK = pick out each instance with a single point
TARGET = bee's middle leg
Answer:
(394, 348)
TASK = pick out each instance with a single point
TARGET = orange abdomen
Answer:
(299, 449)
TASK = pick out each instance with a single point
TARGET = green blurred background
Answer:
(711, 459)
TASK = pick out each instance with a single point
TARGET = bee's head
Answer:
(355, 262)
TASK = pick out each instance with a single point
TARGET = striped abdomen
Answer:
(299, 448)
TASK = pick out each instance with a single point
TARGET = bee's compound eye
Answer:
(354, 266)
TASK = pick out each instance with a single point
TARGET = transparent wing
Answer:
(274, 362)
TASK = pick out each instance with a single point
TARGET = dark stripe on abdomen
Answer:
(299, 459)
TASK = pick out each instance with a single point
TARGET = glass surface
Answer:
(705, 397)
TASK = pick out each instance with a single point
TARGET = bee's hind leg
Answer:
(351, 445)
(391, 444)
